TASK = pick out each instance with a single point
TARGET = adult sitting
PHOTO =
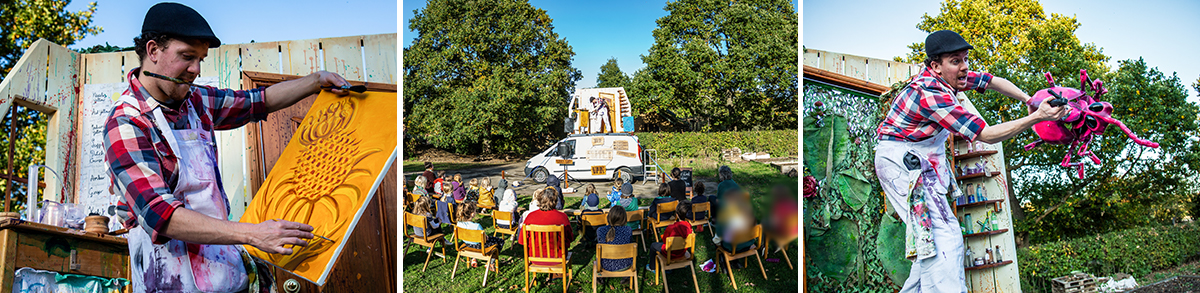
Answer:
(547, 215)
(429, 177)
(726, 176)
(736, 216)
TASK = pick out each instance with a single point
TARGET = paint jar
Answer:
(96, 224)
(53, 214)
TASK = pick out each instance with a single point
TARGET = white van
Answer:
(596, 156)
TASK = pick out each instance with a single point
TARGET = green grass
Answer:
(756, 177)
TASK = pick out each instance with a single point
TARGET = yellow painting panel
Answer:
(325, 176)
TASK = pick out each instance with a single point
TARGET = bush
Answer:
(1137, 252)
(778, 143)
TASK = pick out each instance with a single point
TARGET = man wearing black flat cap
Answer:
(910, 159)
(162, 157)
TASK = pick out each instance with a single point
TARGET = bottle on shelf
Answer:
(990, 260)
(998, 254)
(968, 222)
(970, 257)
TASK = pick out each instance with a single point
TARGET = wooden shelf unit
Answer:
(988, 266)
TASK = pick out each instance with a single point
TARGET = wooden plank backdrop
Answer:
(48, 78)
(879, 71)
(43, 80)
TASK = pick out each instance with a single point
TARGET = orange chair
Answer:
(669, 262)
(667, 208)
(506, 216)
(637, 216)
(703, 207)
(615, 251)
(781, 243)
(488, 253)
(755, 235)
(546, 252)
(429, 240)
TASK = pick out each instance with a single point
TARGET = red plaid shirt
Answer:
(928, 105)
(142, 165)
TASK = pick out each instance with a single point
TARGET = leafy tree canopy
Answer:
(485, 77)
(611, 75)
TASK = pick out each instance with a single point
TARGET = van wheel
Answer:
(540, 175)
(624, 175)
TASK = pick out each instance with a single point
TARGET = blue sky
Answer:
(1163, 32)
(596, 31)
(237, 22)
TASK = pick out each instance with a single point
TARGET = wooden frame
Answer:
(45, 247)
(706, 208)
(638, 216)
(429, 240)
(656, 223)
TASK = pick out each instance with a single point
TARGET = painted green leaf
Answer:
(836, 254)
(816, 143)
(889, 249)
(854, 189)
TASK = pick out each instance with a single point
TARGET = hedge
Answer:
(1137, 252)
(778, 143)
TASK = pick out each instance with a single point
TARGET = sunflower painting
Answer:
(329, 170)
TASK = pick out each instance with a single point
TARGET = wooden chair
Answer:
(592, 221)
(615, 251)
(637, 216)
(450, 212)
(755, 235)
(669, 262)
(669, 209)
(506, 216)
(488, 253)
(541, 243)
(706, 208)
(781, 243)
(429, 240)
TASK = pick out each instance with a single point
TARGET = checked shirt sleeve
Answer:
(978, 81)
(233, 108)
(137, 170)
(942, 108)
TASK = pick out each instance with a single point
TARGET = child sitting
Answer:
(590, 206)
(629, 203)
(615, 233)
(487, 194)
(437, 183)
(677, 229)
(472, 190)
(664, 196)
(460, 191)
(425, 207)
(466, 214)
(698, 191)
(615, 195)
(508, 203)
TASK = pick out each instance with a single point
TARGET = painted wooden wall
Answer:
(48, 78)
(44, 79)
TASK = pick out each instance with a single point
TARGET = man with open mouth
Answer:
(910, 159)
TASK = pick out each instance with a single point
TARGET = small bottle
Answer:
(968, 217)
(970, 257)
(999, 255)
(989, 256)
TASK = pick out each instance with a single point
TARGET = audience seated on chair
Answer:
(678, 229)
(664, 196)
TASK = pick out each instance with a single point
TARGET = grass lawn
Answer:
(757, 177)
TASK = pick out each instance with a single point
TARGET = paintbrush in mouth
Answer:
(168, 78)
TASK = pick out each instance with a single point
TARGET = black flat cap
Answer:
(944, 41)
(178, 20)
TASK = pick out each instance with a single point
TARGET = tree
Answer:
(24, 21)
(731, 65)
(486, 77)
(611, 75)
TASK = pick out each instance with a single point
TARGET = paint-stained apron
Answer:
(915, 177)
(179, 266)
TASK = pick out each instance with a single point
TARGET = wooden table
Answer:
(58, 249)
